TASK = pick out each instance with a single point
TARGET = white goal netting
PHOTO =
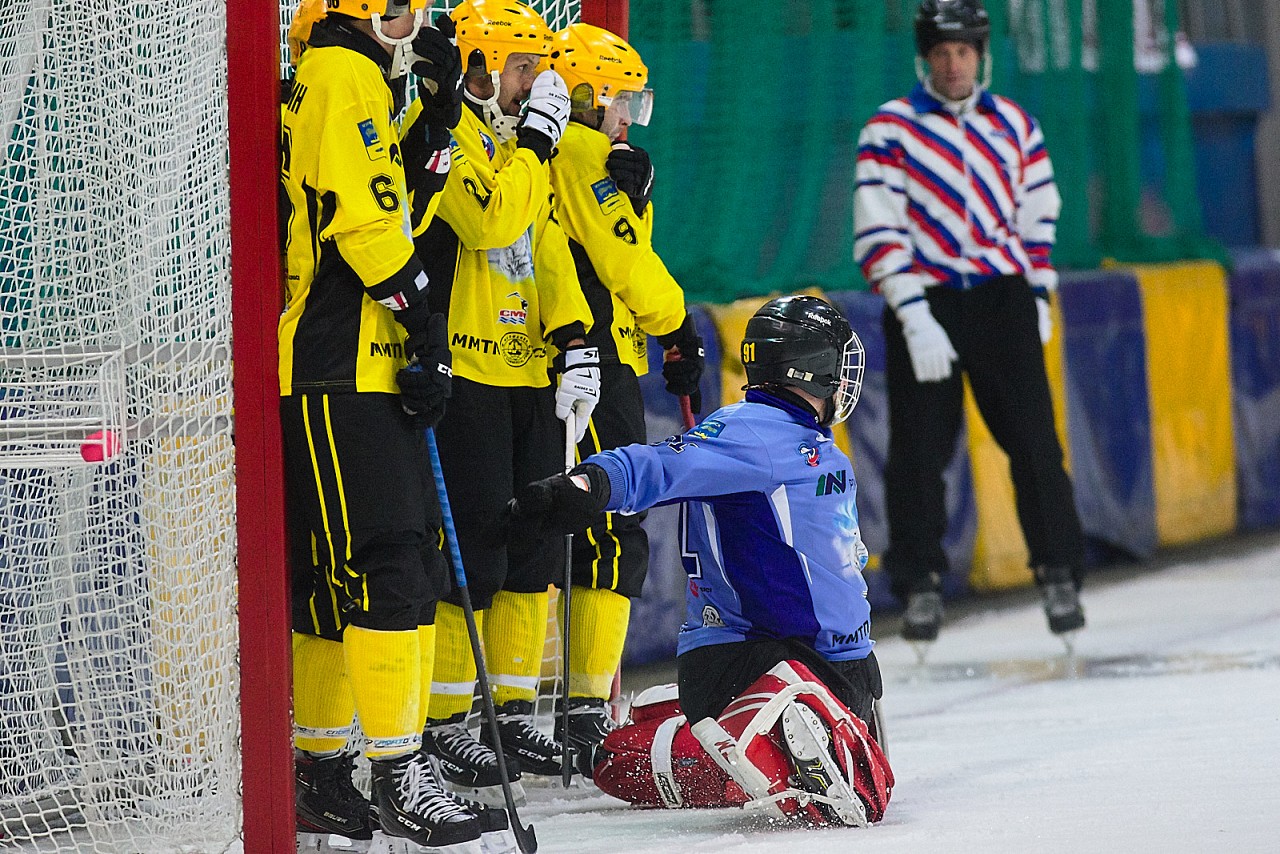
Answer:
(118, 680)
(119, 693)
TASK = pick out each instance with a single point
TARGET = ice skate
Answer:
(468, 767)
(536, 753)
(589, 723)
(332, 815)
(496, 835)
(809, 744)
(922, 620)
(1061, 604)
(415, 816)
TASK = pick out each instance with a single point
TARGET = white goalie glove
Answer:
(579, 389)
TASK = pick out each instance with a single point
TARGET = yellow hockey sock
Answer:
(427, 647)
(514, 633)
(386, 674)
(454, 681)
(323, 707)
(596, 636)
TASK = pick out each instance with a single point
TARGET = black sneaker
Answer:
(923, 617)
(411, 805)
(327, 802)
(1061, 601)
(589, 723)
(468, 767)
(537, 753)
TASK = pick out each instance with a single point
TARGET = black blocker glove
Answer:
(563, 503)
(631, 169)
(684, 361)
(427, 381)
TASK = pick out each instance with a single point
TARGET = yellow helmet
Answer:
(311, 11)
(596, 66)
(499, 28)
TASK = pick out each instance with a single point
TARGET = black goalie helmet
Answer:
(802, 341)
(940, 21)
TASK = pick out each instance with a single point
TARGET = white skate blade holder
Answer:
(384, 844)
(330, 843)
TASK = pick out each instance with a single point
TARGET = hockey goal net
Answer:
(143, 610)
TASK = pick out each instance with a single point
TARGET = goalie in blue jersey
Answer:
(768, 526)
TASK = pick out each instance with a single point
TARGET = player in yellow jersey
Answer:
(364, 366)
(500, 268)
(602, 189)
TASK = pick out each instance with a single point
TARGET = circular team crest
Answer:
(515, 349)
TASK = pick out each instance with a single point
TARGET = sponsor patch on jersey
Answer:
(487, 141)
(515, 349)
(711, 617)
(516, 316)
(809, 452)
(606, 191)
(372, 144)
(707, 430)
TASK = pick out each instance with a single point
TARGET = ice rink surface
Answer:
(1161, 734)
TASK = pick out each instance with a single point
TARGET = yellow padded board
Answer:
(999, 551)
(731, 324)
(1189, 384)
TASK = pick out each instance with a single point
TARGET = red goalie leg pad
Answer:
(656, 761)
(864, 765)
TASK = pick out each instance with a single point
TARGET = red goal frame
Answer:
(253, 35)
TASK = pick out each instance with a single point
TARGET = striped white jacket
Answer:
(953, 199)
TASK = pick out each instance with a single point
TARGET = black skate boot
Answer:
(589, 723)
(1061, 601)
(328, 804)
(809, 742)
(923, 617)
(537, 753)
(468, 767)
(412, 806)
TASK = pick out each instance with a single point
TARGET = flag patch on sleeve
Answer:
(372, 144)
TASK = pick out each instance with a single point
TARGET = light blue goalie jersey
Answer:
(768, 526)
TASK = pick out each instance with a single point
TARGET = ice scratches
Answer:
(1110, 667)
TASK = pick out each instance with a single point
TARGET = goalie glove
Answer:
(563, 503)
(579, 388)
(927, 342)
(439, 68)
(684, 361)
(545, 115)
(631, 169)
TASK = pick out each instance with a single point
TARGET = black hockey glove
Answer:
(684, 361)
(562, 503)
(427, 381)
(631, 169)
(439, 69)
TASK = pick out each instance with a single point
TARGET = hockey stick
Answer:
(686, 412)
(566, 757)
(524, 835)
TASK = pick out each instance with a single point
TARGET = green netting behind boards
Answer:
(759, 105)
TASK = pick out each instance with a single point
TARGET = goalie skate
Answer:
(809, 744)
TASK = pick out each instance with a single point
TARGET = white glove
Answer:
(579, 389)
(1045, 318)
(548, 108)
(927, 342)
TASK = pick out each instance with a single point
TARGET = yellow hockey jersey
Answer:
(627, 285)
(349, 241)
(498, 261)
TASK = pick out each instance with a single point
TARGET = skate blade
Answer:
(808, 741)
(921, 649)
(490, 796)
(384, 844)
(330, 843)
(499, 842)
(1069, 641)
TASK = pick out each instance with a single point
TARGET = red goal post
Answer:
(253, 50)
